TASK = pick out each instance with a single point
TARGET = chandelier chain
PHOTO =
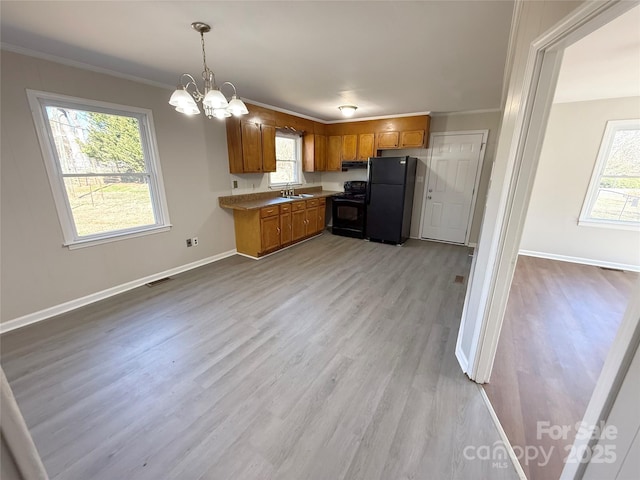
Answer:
(204, 55)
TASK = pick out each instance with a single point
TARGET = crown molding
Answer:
(466, 112)
(379, 117)
(283, 110)
(84, 66)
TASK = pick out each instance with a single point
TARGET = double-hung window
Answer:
(613, 197)
(288, 160)
(103, 168)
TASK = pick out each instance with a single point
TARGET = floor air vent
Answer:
(158, 282)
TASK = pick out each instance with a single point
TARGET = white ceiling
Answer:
(387, 57)
(604, 64)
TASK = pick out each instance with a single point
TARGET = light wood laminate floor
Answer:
(331, 360)
(560, 321)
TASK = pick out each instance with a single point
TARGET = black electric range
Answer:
(349, 210)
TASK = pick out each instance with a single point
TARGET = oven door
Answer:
(348, 217)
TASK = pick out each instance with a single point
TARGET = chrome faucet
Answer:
(288, 191)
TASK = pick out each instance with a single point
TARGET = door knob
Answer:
(429, 197)
(430, 190)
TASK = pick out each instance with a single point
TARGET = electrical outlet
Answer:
(235, 184)
(194, 241)
(189, 242)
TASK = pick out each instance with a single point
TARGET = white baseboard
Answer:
(583, 261)
(109, 292)
(462, 359)
(503, 435)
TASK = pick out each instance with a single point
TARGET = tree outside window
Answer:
(101, 166)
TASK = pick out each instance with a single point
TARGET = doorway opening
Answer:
(489, 300)
(572, 282)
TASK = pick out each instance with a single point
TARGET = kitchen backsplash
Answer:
(259, 182)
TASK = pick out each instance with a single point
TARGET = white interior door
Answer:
(453, 173)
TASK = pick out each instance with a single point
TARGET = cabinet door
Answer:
(388, 139)
(268, 148)
(321, 218)
(285, 229)
(312, 220)
(366, 145)
(270, 232)
(412, 139)
(251, 147)
(349, 147)
(320, 153)
(234, 145)
(334, 158)
(298, 225)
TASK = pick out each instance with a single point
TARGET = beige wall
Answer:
(567, 161)
(37, 271)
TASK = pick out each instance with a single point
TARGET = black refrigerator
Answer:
(390, 198)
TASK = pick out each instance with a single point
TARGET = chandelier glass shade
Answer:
(214, 103)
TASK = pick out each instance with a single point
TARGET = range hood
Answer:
(352, 165)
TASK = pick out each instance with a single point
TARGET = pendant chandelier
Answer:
(214, 103)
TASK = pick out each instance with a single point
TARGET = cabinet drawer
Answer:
(285, 208)
(312, 203)
(269, 211)
(295, 206)
(322, 201)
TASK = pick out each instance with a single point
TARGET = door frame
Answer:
(492, 283)
(476, 184)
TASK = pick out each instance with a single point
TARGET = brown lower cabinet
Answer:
(263, 231)
(286, 232)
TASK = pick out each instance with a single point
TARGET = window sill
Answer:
(116, 237)
(612, 225)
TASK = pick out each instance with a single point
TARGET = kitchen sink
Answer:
(298, 197)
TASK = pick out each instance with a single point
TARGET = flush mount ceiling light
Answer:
(214, 103)
(348, 110)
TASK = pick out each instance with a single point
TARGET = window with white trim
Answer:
(288, 160)
(613, 197)
(103, 168)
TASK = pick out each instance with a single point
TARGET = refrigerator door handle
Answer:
(369, 172)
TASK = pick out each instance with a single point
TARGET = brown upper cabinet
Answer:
(251, 140)
(314, 156)
(407, 139)
(388, 140)
(349, 147)
(334, 153)
(366, 146)
(402, 132)
(412, 139)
